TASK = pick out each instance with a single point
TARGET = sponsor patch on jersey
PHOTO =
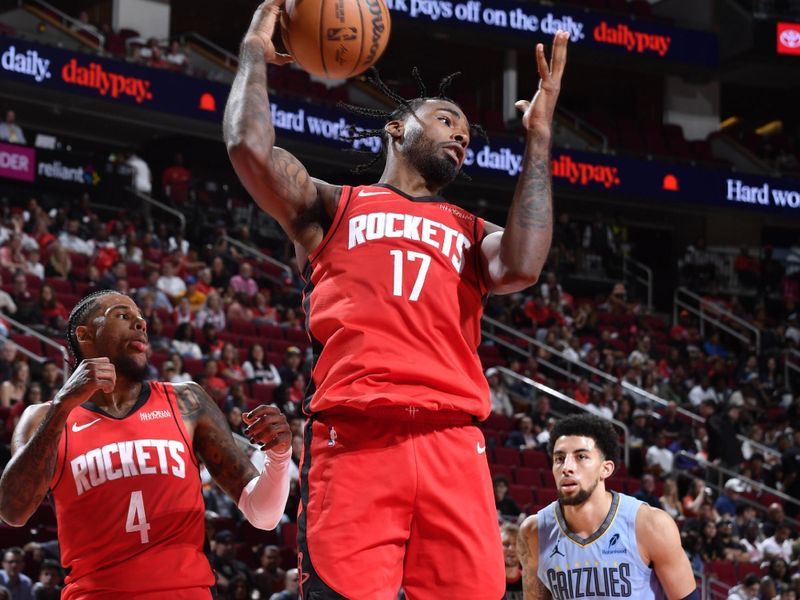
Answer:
(154, 414)
(614, 547)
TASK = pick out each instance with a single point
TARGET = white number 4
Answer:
(398, 272)
(136, 513)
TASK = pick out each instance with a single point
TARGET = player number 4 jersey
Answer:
(393, 301)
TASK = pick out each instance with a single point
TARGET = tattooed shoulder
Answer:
(190, 399)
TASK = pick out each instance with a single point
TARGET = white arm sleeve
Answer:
(264, 498)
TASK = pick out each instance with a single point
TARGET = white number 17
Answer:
(398, 272)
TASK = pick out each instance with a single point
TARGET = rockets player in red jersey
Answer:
(120, 456)
(395, 487)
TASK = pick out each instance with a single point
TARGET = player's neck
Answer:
(400, 175)
(125, 395)
(586, 518)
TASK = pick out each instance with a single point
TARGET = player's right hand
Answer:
(92, 374)
(262, 28)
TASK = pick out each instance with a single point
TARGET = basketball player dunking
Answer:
(593, 543)
(395, 484)
(120, 455)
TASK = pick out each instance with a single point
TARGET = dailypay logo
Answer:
(26, 63)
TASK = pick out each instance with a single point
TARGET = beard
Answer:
(127, 367)
(424, 156)
(579, 498)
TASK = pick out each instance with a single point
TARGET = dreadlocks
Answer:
(80, 316)
(404, 108)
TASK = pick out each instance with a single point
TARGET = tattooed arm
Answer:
(34, 447)
(277, 181)
(528, 552)
(512, 259)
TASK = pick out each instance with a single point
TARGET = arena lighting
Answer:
(729, 122)
(671, 183)
(788, 38)
(770, 128)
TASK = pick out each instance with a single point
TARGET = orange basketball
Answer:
(336, 39)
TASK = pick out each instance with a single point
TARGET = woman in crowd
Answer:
(257, 369)
(670, 501)
(14, 390)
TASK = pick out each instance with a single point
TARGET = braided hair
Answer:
(80, 316)
(403, 108)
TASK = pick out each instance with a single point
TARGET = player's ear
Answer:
(608, 469)
(395, 129)
(82, 334)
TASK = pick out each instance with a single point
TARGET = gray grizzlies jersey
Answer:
(605, 565)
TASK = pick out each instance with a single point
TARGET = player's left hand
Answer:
(538, 113)
(267, 426)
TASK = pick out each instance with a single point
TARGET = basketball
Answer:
(336, 39)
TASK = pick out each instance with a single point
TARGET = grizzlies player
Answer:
(595, 543)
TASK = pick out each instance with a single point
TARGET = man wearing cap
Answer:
(291, 364)
(726, 503)
(223, 559)
(197, 299)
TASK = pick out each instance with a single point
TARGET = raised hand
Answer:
(538, 113)
(91, 375)
(262, 28)
(267, 426)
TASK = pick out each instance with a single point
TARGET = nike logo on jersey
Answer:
(481, 449)
(76, 428)
(363, 194)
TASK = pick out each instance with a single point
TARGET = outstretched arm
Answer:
(512, 259)
(277, 181)
(528, 552)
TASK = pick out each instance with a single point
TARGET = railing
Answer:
(716, 480)
(32, 355)
(42, 338)
(580, 124)
(708, 311)
(66, 22)
(165, 207)
(211, 50)
(641, 274)
(287, 270)
(572, 402)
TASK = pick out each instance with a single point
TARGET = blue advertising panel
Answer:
(529, 22)
(116, 81)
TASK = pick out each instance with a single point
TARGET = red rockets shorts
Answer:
(397, 497)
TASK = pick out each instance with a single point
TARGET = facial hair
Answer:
(424, 156)
(128, 368)
(579, 498)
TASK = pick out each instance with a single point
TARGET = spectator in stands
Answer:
(243, 283)
(160, 299)
(617, 302)
(212, 344)
(234, 414)
(54, 313)
(181, 375)
(257, 369)
(219, 273)
(59, 264)
(698, 265)
(790, 464)
(703, 390)
(778, 545)
(746, 268)
(169, 283)
(778, 571)
(524, 437)
(50, 380)
(7, 304)
(213, 312)
(669, 499)
(72, 240)
(215, 385)
(498, 393)
(292, 359)
(183, 342)
(722, 429)
(508, 537)
(12, 576)
(182, 313)
(12, 255)
(177, 59)
(291, 589)
(48, 586)
(670, 423)
(747, 590)
(768, 588)
(230, 367)
(176, 179)
(646, 493)
(726, 502)
(711, 549)
(598, 240)
(269, 577)
(14, 389)
(659, 459)
(775, 518)
(194, 296)
(223, 559)
(84, 24)
(9, 130)
(505, 504)
(142, 179)
(159, 343)
(751, 542)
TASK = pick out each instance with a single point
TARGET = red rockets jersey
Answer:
(129, 504)
(393, 300)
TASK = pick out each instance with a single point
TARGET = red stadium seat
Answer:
(723, 570)
(546, 495)
(506, 456)
(535, 459)
(502, 470)
(522, 494)
(529, 477)
(28, 342)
